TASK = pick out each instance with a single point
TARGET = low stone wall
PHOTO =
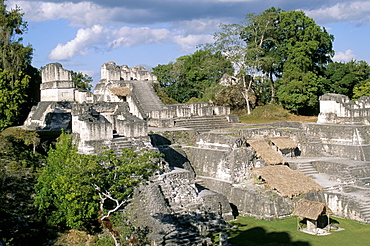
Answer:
(343, 140)
(188, 110)
(229, 165)
(251, 201)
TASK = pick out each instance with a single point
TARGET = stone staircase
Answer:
(203, 124)
(146, 96)
(119, 143)
(307, 169)
(365, 211)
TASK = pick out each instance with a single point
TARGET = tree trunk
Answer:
(272, 85)
(246, 93)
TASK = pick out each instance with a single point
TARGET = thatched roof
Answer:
(286, 181)
(283, 143)
(310, 209)
(120, 91)
(265, 152)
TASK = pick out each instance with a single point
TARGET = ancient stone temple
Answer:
(119, 112)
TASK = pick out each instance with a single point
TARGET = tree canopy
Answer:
(282, 45)
(191, 75)
(82, 81)
(76, 190)
(19, 81)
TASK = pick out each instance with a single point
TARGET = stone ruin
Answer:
(217, 166)
(118, 113)
(339, 109)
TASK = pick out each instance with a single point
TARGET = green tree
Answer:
(17, 77)
(288, 46)
(303, 50)
(190, 76)
(76, 190)
(362, 89)
(261, 37)
(82, 81)
(347, 78)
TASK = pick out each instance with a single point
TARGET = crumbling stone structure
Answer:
(339, 109)
(122, 107)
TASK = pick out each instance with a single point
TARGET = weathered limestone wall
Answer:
(84, 97)
(249, 201)
(352, 141)
(229, 165)
(110, 72)
(99, 129)
(57, 95)
(339, 109)
(130, 128)
(56, 84)
(55, 72)
(343, 207)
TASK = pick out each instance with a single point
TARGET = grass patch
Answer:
(254, 232)
(271, 113)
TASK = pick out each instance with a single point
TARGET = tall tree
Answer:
(278, 44)
(230, 42)
(303, 50)
(260, 34)
(17, 77)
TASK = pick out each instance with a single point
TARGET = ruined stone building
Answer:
(119, 111)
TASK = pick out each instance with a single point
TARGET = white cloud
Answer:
(344, 56)
(188, 43)
(99, 37)
(80, 14)
(127, 37)
(84, 39)
(357, 11)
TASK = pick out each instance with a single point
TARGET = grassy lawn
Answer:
(271, 113)
(253, 232)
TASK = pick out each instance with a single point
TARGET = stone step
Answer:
(203, 123)
(307, 169)
(146, 96)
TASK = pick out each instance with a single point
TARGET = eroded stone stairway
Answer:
(307, 169)
(146, 96)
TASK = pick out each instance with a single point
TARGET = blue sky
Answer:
(83, 35)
